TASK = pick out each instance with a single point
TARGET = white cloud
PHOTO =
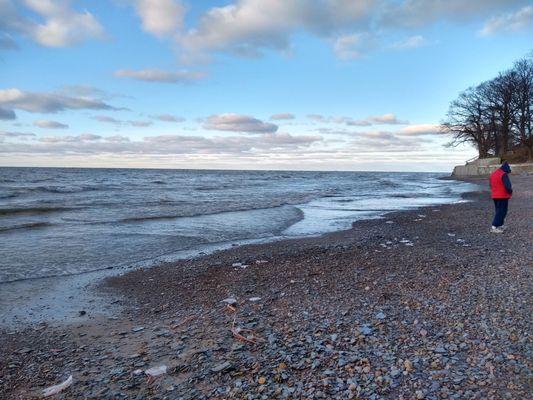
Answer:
(47, 102)
(411, 42)
(420, 130)
(84, 137)
(353, 46)
(417, 13)
(510, 22)
(282, 116)
(247, 27)
(316, 117)
(168, 118)
(47, 124)
(385, 119)
(162, 144)
(107, 119)
(238, 123)
(140, 124)
(117, 139)
(110, 120)
(160, 17)
(156, 75)
(62, 25)
(23, 135)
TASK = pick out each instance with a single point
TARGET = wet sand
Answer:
(422, 304)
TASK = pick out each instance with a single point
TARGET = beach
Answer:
(420, 304)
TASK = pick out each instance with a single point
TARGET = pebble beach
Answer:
(423, 304)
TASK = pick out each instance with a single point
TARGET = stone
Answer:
(221, 367)
(380, 315)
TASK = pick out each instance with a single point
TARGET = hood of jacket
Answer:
(506, 167)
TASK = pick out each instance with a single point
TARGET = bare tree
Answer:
(495, 116)
(466, 123)
(523, 103)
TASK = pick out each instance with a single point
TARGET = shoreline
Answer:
(315, 316)
(58, 299)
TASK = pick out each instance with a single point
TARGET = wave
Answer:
(62, 189)
(201, 214)
(33, 210)
(386, 183)
(8, 195)
(29, 225)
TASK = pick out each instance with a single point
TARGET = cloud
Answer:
(414, 131)
(7, 114)
(317, 117)
(247, 27)
(107, 119)
(160, 17)
(418, 13)
(385, 142)
(47, 124)
(23, 135)
(411, 42)
(168, 118)
(353, 46)
(420, 130)
(87, 91)
(140, 124)
(238, 123)
(163, 144)
(57, 25)
(510, 22)
(251, 27)
(382, 135)
(282, 116)
(385, 119)
(117, 139)
(110, 120)
(156, 75)
(84, 137)
(358, 122)
(48, 102)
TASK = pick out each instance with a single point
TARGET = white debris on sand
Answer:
(230, 300)
(57, 388)
(156, 371)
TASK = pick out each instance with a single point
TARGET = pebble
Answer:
(221, 367)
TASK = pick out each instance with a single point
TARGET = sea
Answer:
(63, 221)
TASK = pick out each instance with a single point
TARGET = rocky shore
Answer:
(419, 305)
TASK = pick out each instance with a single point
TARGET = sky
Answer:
(246, 84)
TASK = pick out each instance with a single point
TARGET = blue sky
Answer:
(283, 84)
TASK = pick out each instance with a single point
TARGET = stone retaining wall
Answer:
(485, 166)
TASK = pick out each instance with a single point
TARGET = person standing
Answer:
(502, 191)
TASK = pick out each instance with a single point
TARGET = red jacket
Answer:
(497, 185)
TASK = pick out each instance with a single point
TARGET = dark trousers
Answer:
(500, 206)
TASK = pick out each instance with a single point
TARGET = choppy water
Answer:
(66, 221)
